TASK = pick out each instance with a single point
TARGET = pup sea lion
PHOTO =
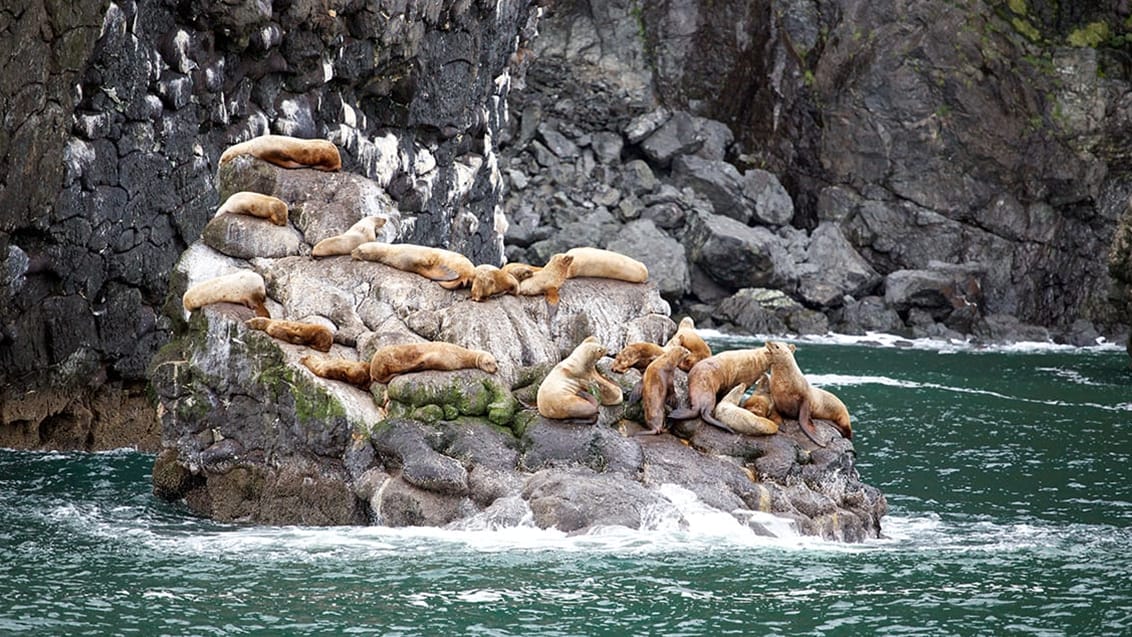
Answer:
(450, 269)
(255, 204)
(393, 360)
(606, 264)
(288, 152)
(353, 372)
(312, 335)
(635, 356)
(794, 397)
(656, 387)
(521, 271)
(687, 337)
(244, 288)
(547, 280)
(568, 391)
(488, 281)
(719, 373)
(740, 419)
(361, 232)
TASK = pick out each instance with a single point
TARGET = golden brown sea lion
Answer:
(740, 419)
(656, 387)
(312, 335)
(606, 264)
(719, 373)
(361, 232)
(635, 356)
(687, 337)
(244, 288)
(548, 279)
(392, 360)
(450, 269)
(521, 271)
(794, 397)
(489, 281)
(568, 391)
(255, 204)
(353, 372)
(288, 152)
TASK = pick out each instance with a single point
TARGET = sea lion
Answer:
(656, 387)
(568, 391)
(719, 373)
(687, 337)
(450, 269)
(740, 419)
(794, 397)
(255, 204)
(760, 402)
(361, 232)
(312, 335)
(244, 287)
(393, 360)
(635, 356)
(353, 372)
(606, 264)
(521, 271)
(288, 152)
(488, 281)
(547, 280)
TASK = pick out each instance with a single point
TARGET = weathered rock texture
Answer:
(249, 434)
(901, 137)
(115, 114)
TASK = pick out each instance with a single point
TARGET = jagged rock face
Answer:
(977, 135)
(1120, 267)
(115, 114)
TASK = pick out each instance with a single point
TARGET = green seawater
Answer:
(1008, 476)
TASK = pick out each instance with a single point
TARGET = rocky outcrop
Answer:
(115, 114)
(251, 434)
(828, 150)
(1120, 267)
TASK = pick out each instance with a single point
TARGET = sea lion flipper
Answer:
(260, 309)
(439, 272)
(714, 422)
(807, 423)
(686, 413)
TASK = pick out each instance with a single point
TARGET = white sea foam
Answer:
(878, 339)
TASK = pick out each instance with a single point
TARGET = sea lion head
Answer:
(486, 362)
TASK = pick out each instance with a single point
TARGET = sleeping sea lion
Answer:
(393, 360)
(361, 232)
(606, 264)
(312, 335)
(740, 419)
(794, 397)
(244, 287)
(489, 281)
(288, 152)
(521, 271)
(353, 372)
(450, 269)
(255, 204)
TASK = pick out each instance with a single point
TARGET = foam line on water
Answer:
(880, 339)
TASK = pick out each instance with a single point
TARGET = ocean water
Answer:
(1008, 474)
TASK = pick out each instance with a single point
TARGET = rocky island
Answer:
(250, 434)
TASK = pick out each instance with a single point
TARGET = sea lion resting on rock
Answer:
(450, 269)
(567, 392)
(635, 356)
(794, 397)
(740, 419)
(548, 279)
(312, 335)
(719, 373)
(353, 372)
(288, 152)
(606, 264)
(393, 360)
(489, 281)
(656, 387)
(255, 204)
(361, 232)
(687, 337)
(244, 287)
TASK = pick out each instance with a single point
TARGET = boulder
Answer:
(736, 255)
(833, 269)
(763, 311)
(663, 255)
(717, 181)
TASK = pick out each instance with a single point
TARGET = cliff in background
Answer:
(114, 117)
